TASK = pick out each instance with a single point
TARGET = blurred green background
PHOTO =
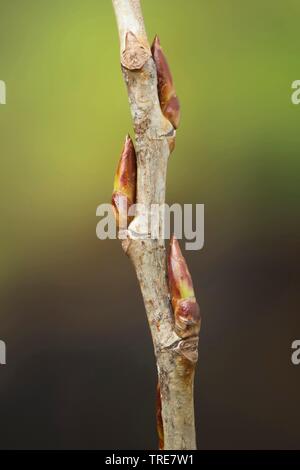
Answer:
(80, 369)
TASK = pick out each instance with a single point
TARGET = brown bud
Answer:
(124, 193)
(159, 421)
(166, 91)
(185, 307)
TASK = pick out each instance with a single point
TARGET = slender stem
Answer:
(175, 357)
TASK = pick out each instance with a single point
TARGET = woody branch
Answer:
(141, 179)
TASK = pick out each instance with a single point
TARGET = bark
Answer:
(175, 357)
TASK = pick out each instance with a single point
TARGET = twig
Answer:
(155, 112)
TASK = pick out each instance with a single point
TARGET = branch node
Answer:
(135, 54)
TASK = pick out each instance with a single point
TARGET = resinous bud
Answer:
(169, 102)
(186, 309)
(124, 193)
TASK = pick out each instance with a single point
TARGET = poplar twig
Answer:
(174, 325)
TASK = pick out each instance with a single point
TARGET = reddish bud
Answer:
(166, 91)
(159, 421)
(124, 193)
(185, 307)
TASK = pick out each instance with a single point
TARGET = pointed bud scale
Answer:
(166, 91)
(159, 421)
(180, 280)
(125, 177)
(185, 307)
(124, 193)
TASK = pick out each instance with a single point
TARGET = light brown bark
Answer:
(175, 357)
